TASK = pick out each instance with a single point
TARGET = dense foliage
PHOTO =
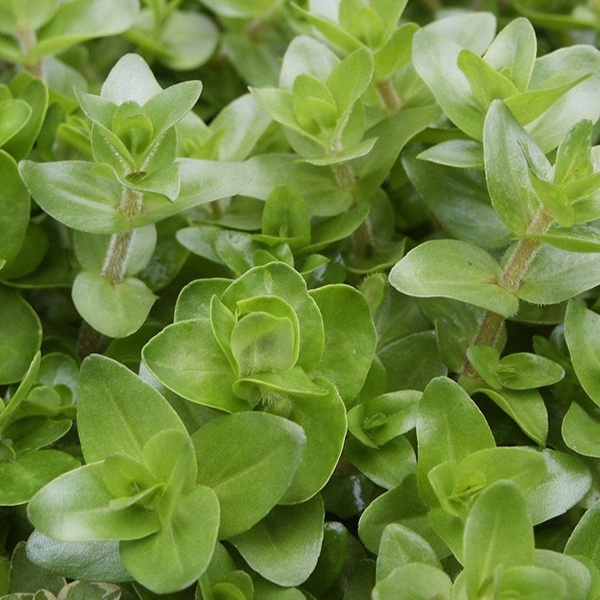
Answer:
(299, 301)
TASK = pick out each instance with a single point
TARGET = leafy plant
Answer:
(299, 300)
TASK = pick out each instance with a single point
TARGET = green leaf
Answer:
(242, 8)
(35, 94)
(118, 412)
(380, 419)
(174, 557)
(581, 430)
(579, 238)
(20, 336)
(14, 209)
(526, 408)
(243, 123)
(401, 546)
(28, 577)
(531, 582)
(25, 475)
(574, 574)
(252, 475)
(75, 507)
(463, 154)
(412, 361)
(350, 79)
(513, 52)
(523, 370)
(323, 420)
(278, 279)
(116, 310)
(556, 275)
(287, 532)
(457, 484)
(278, 104)
(82, 20)
(414, 582)
(401, 505)
(75, 194)
(583, 540)
(9, 411)
(285, 218)
(269, 387)
(331, 30)
(169, 106)
(472, 30)
(573, 158)
(458, 199)
(554, 199)
(566, 482)
(550, 129)
(261, 342)
(435, 59)
(350, 333)
(498, 532)
(187, 359)
(445, 402)
(507, 170)
(453, 269)
(15, 114)
(91, 561)
(581, 326)
(486, 83)
(188, 39)
(388, 465)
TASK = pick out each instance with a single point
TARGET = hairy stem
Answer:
(116, 258)
(113, 269)
(346, 179)
(28, 39)
(516, 266)
(389, 96)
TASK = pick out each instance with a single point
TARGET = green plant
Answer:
(322, 327)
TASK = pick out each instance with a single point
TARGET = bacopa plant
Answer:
(299, 300)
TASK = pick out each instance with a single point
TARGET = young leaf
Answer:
(174, 557)
(75, 507)
(507, 170)
(401, 546)
(445, 402)
(498, 533)
(414, 582)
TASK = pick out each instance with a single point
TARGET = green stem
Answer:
(516, 265)
(389, 96)
(345, 177)
(116, 258)
(114, 267)
(27, 40)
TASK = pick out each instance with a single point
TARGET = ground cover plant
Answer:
(299, 300)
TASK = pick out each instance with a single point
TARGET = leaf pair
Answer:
(465, 84)
(321, 110)
(59, 26)
(139, 486)
(36, 415)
